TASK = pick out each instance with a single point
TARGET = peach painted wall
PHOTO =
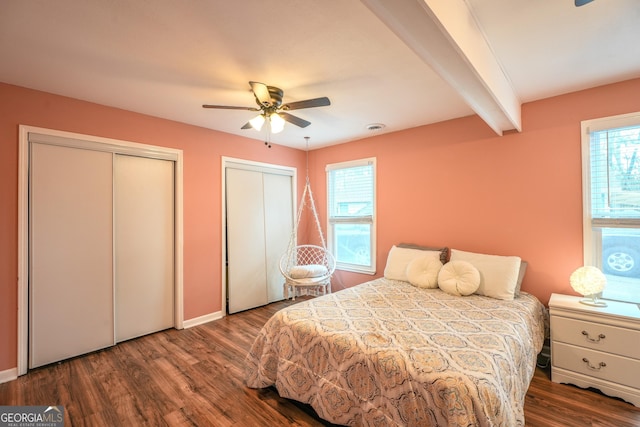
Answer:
(457, 184)
(453, 183)
(202, 150)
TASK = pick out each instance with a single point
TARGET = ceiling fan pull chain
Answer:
(268, 138)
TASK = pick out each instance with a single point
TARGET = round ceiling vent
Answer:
(375, 127)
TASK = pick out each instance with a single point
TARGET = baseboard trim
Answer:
(202, 319)
(8, 375)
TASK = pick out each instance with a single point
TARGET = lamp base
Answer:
(593, 302)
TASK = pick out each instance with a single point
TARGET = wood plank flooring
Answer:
(195, 377)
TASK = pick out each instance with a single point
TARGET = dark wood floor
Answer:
(194, 377)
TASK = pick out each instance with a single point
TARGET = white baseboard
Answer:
(202, 319)
(8, 375)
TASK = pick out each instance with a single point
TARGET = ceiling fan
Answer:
(582, 2)
(269, 100)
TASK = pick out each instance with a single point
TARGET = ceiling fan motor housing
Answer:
(276, 95)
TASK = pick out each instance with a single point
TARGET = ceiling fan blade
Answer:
(309, 103)
(261, 92)
(579, 3)
(247, 126)
(294, 120)
(227, 107)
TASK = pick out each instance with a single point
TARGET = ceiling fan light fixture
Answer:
(257, 121)
(277, 123)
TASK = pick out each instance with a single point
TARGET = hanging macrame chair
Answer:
(307, 268)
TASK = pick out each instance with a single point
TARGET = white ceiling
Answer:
(372, 58)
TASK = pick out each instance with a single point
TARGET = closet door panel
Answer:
(144, 236)
(71, 270)
(245, 240)
(278, 208)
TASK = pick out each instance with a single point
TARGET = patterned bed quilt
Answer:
(385, 353)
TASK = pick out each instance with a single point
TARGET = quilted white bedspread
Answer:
(386, 353)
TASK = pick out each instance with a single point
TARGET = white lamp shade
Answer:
(257, 122)
(588, 280)
(277, 123)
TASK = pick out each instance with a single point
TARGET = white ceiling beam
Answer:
(446, 36)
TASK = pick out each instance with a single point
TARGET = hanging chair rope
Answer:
(307, 193)
(307, 265)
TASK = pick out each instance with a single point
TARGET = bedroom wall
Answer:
(202, 149)
(453, 183)
(458, 184)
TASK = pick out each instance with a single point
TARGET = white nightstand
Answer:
(596, 346)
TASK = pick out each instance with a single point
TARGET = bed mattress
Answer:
(386, 353)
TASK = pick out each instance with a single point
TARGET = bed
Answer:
(389, 353)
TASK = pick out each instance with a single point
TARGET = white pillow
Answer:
(498, 274)
(398, 260)
(422, 271)
(459, 278)
(305, 271)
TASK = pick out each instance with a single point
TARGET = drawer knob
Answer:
(600, 337)
(593, 368)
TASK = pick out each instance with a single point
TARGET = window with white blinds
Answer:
(351, 214)
(611, 187)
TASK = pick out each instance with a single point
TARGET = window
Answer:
(611, 190)
(351, 214)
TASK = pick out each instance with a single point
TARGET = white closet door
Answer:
(144, 234)
(278, 208)
(245, 240)
(71, 271)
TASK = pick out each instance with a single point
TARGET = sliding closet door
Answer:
(71, 271)
(144, 236)
(245, 240)
(278, 208)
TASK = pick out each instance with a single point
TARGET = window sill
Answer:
(625, 289)
(354, 269)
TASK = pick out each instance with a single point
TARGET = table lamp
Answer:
(589, 281)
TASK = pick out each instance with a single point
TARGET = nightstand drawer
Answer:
(610, 367)
(596, 336)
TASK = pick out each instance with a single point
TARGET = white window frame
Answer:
(331, 221)
(592, 242)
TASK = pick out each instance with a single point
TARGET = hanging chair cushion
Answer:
(308, 271)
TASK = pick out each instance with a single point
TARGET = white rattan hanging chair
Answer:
(307, 268)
